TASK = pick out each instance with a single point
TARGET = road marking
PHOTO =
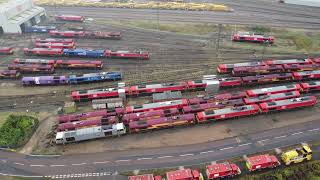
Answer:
(296, 133)
(36, 165)
(244, 144)
(226, 148)
(79, 164)
(317, 129)
(18, 163)
(205, 152)
(57, 165)
(182, 155)
(278, 137)
(123, 160)
(39, 155)
(161, 157)
(101, 162)
(143, 159)
(263, 140)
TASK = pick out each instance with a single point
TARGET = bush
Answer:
(303, 42)
(260, 29)
(17, 130)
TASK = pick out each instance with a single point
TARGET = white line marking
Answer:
(244, 144)
(143, 159)
(39, 155)
(182, 155)
(263, 140)
(36, 165)
(123, 160)
(278, 137)
(101, 162)
(296, 133)
(313, 129)
(226, 148)
(57, 165)
(161, 157)
(205, 152)
(17, 175)
(19, 163)
(79, 164)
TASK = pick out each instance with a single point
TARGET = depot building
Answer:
(17, 14)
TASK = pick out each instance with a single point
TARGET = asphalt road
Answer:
(245, 12)
(108, 163)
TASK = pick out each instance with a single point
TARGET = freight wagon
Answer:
(38, 29)
(55, 45)
(79, 64)
(43, 52)
(90, 133)
(51, 40)
(259, 162)
(6, 50)
(12, 74)
(256, 38)
(32, 68)
(222, 170)
(70, 18)
(111, 103)
(127, 54)
(34, 61)
(162, 122)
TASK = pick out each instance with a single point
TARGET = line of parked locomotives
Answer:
(228, 169)
(66, 47)
(131, 119)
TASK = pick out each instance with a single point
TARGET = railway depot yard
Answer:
(219, 61)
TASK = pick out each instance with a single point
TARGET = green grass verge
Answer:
(16, 130)
(305, 171)
(295, 41)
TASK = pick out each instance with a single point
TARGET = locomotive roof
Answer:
(43, 78)
(307, 72)
(267, 76)
(288, 101)
(158, 104)
(271, 96)
(229, 110)
(179, 174)
(273, 89)
(288, 61)
(160, 85)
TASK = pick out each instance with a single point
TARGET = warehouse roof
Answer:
(21, 18)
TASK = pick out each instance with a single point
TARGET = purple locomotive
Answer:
(44, 80)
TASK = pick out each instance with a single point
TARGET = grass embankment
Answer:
(295, 41)
(187, 6)
(305, 171)
(16, 130)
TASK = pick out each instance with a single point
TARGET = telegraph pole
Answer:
(218, 42)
